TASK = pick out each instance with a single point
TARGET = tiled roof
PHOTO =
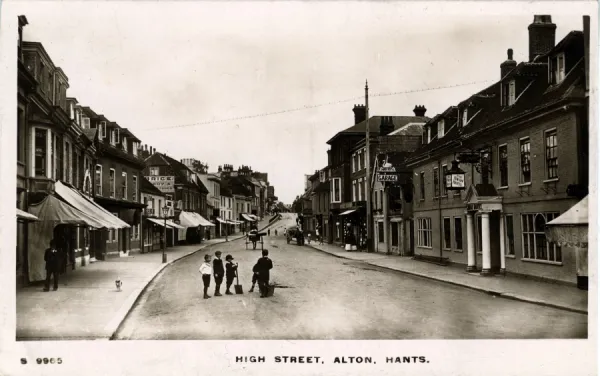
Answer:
(147, 187)
(179, 172)
(534, 93)
(375, 122)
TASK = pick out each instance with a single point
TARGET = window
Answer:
(458, 233)
(124, 186)
(135, 232)
(114, 137)
(510, 235)
(134, 148)
(135, 189)
(21, 136)
(67, 163)
(422, 185)
(41, 149)
(102, 131)
(124, 143)
(153, 171)
(361, 190)
(98, 180)
(441, 128)
(447, 234)
(444, 171)
(111, 183)
(551, 155)
(336, 190)
(557, 69)
(86, 122)
(395, 233)
(75, 166)
(525, 161)
(380, 231)
(428, 134)
(465, 117)
(424, 232)
(354, 190)
(376, 202)
(503, 165)
(535, 245)
(436, 182)
(354, 162)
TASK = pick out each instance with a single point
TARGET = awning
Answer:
(570, 229)
(188, 219)
(82, 203)
(247, 217)
(203, 221)
(221, 221)
(55, 210)
(23, 215)
(173, 224)
(231, 222)
(348, 212)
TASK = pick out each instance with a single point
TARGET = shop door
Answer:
(495, 241)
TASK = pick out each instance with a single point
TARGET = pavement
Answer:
(511, 286)
(321, 297)
(87, 304)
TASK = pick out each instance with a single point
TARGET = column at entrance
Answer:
(485, 243)
(471, 264)
(502, 244)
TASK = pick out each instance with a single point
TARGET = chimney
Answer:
(360, 113)
(419, 111)
(508, 65)
(386, 126)
(542, 35)
(329, 158)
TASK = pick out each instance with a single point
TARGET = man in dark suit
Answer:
(218, 272)
(263, 267)
(53, 259)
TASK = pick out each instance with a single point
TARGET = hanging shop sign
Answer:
(387, 174)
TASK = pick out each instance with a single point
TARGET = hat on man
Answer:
(228, 257)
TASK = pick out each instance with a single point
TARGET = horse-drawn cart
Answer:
(255, 237)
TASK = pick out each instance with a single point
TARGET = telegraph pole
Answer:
(368, 178)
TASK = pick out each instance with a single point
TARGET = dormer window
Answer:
(114, 137)
(441, 128)
(85, 123)
(556, 68)
(465, 116)
(508, 93)
(101, 130)
(125, 143)
(429, 134)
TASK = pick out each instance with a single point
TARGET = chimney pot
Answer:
(360, 113)
(419, 111)
(507, 65)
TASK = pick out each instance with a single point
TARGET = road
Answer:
(324, 297)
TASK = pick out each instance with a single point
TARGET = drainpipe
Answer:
(440, 210)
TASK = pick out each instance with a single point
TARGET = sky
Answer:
(157, 68)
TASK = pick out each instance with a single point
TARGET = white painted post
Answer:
(485, 243)
(471, 264)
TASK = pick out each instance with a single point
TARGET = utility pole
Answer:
(368, 179)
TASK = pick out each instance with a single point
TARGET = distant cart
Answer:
(295, 233)
(254, 238)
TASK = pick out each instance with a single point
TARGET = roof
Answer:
(147, 187)
(90, 133)
(374, 123)
(225, 190)
(238, 186)
(179, 170)
(534, 94)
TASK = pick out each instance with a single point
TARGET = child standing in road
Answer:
(230, 271)
(206, 271)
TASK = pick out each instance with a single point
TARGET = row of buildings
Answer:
(521, 144)
(90, 183)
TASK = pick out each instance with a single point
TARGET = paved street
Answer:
(324, 297)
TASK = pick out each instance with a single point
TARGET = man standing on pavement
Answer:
(263, 267)
(218, 272)
(53, 259)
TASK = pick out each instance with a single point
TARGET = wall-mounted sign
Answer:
(165, 184)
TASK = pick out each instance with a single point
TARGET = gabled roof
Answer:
(179, 170)
(374, 123)
(239, 186)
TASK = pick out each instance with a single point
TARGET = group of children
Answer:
(260, 273)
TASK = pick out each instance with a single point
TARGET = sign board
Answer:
(165, 184)
(455, 181)
(387, 169)
(387, 177)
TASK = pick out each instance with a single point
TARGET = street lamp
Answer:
(165, 211)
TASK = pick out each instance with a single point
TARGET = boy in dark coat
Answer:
(263, 267)
(54, 260)
(218, 272)
(230, 271)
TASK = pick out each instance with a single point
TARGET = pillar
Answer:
(502, 244)
(471, 260)
(485, 243)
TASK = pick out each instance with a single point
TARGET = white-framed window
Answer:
(41, 152)
(556, 69)
(353, 162)
(424, 232)
(336, 190)
(98, 180)
(124, 143)
(85, 124)
(111, 182)
(525, 149)
(535, 245)
(124, 185)
(441, 124)
(458, 237)
(134, 195)
(135, 147)
(428, 133)
(551, 154)
(153, 171)
(447, 234)
(503, 165)
(465, 117)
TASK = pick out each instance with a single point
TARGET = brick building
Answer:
(528, 133)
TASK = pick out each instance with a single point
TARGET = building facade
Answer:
(522, 143)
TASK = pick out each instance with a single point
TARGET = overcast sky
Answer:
(161, 65)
